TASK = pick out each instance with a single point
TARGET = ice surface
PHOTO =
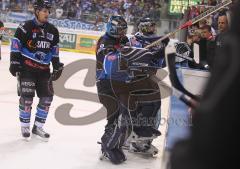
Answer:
(70, 147)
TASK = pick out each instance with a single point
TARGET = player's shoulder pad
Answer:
(105, 39)
(24, 26)
(52, 27)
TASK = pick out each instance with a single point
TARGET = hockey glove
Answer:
(57, 71)
(15, 64)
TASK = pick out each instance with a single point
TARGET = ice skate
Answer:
(144, 133)
(111, 145)
(116, 155)
(40, 133)
(25, 133)
(143, 148)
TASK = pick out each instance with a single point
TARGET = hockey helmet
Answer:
(146, 26)
(39, 4)
(116, 26)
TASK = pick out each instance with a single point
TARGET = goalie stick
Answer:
(178, 89)
(192, 21)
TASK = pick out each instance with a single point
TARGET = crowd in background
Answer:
(93, 10)
(207, 32)
(204, 32)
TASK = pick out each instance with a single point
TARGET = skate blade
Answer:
(102, 157)
(40, 138)
(26, 139)
(148, 154)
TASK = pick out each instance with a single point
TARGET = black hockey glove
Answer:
(15, 63)
(57, 71)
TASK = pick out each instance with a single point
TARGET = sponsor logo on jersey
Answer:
(35, 65)
(50, 36)
(15, 45)
(42, 33)
(38, 44)
(21, 27)
(43, 44)
(31, 45)
(35, 30)
(34, 35)
(40, 55)
(30, 84)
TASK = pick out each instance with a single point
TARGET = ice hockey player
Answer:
(33, 48)
(151, 109)
(108, 45)
(1, 26)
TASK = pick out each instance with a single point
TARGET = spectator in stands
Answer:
(59, 12)
(194, 12)
(127, 4)
(193, 28)
(189, 40)
(212, 2)
(223, 29)
(206, 32)
(136, 8)
(197, 38)
(208, 37)
(222, 24)
(204, 23)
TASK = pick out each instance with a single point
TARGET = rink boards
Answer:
(179, 119)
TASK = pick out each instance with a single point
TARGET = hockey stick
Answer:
(192, 21)
(178, 89)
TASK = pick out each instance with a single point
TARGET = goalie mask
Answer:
(117, 26)
(146, 26)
